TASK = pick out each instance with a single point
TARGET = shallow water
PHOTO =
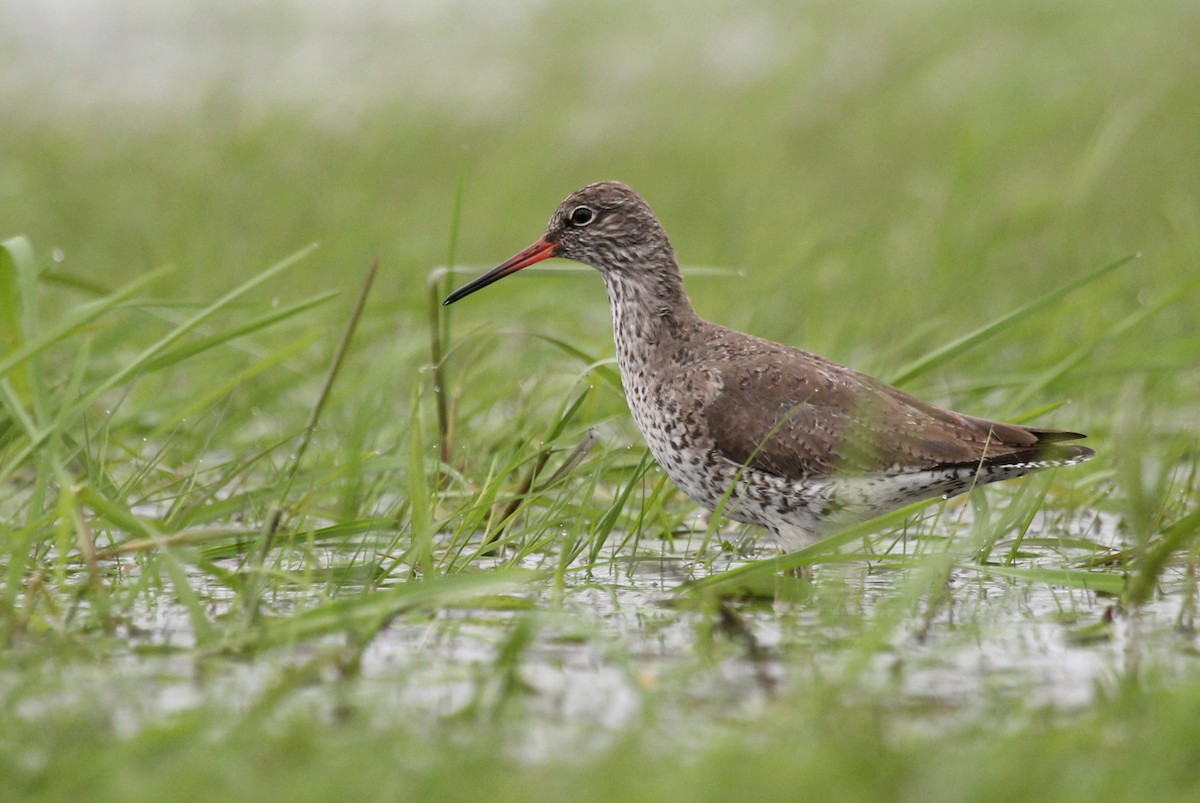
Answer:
(616, 650)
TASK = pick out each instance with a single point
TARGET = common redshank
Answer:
(772, 435)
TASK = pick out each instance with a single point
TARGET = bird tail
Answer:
(1044, 455)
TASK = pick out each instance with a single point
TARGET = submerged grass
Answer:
(446, 567)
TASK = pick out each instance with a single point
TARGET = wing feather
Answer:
(794, 414)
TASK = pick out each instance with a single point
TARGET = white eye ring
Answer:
(581, 216)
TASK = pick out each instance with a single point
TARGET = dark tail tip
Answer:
(1056, 435)
(1044, 455)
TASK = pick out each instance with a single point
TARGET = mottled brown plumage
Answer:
(805, 442)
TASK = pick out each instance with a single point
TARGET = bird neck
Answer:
(650, 312)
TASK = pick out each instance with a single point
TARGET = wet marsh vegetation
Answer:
(257, 540)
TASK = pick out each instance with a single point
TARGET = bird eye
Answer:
(582, 215)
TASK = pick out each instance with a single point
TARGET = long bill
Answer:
(542, 249)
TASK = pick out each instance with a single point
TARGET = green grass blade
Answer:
(754, 573)
(138, 363)
(602, 368)
(18, 286)
(76, 320)
(71, 413)
(211, 395)
(1031, 390)
(953, 349)
(1156, 556)
(254, 325)
(367, 613)
(1106, 582)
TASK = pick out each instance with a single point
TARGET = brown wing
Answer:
(795, 414)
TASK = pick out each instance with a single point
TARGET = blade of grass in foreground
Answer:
(18, 292)
(75, 321)
(310, 427)
(1106, 582)
(368, 613)
(1175, 536)
(968, 341)
(420, 503)
(755, 575)
(70, 413)
(138, 363)
(249, 327)
(439, 321)
(1115, 332)
(213, 393)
